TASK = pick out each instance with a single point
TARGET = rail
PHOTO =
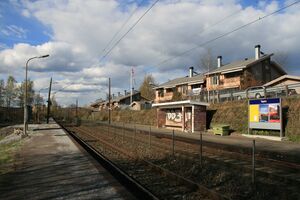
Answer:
(132, 185)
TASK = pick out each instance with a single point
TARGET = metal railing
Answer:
(249, 93)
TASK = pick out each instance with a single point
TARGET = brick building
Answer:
(185, 115)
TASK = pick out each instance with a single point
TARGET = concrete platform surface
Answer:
(54, 167)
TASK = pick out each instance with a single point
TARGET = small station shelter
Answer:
(188, 116)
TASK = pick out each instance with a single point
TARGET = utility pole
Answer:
(131, 85)
(49, 101)
(208, 81)
(76, 108)
(109, 101)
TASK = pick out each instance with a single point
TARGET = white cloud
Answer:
(26, 13)
(3, 46)
(81, 29)
(63, 57)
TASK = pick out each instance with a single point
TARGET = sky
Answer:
(77, 34)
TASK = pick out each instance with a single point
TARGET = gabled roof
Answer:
(297, 78)
(120, 98)
(239, 65)
(183, 80)
(117, 99)
(97, 103)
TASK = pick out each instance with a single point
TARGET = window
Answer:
(168, 90)
(214, 80)
(161, 93)
(196, 86)
(184, 89)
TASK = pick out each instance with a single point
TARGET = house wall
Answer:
(287, 82)
(259, 74)
(165, 97)
(255, 75)
(168, 93)
(126, 101)
(136, 106)
(226, 81)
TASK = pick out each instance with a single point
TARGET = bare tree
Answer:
(146, 88)
(30, 91)
(10, 91)
(207, 61)
(2, 88)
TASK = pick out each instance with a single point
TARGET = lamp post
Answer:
(25, 99)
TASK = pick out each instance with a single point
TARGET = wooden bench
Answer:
(221, 129)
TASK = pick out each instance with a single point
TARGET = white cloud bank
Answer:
(81, 29)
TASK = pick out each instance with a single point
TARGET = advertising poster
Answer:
(265, 114)
(254, 113)
(274, 113)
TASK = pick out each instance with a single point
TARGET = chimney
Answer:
(257, 52)
(219, 61)
(191, 71)
(125, 92)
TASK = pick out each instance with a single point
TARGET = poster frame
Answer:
(269, 128)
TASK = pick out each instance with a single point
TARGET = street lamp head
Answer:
(44, 56)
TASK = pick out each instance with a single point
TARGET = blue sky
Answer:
(34, 32)
(74, 33)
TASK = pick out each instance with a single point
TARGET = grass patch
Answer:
(7, 156)
(294, 138)
(1, 137)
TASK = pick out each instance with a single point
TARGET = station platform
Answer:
(53, 166)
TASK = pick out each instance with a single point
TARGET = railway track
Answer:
(160, 182)
(132, 185)
(134, 141)
(269, 172)
(192, 148)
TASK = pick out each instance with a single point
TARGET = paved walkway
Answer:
(284, 150)
(54, 167)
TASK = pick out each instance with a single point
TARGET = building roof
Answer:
(97, 103)
(297, 78)
(240, 65)
(182, 80)
(119, 98)
(179, 103)
(116, 99)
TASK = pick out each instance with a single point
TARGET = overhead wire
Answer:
(217, 22)
(227, 33)
(131, 28)
(123, 25)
